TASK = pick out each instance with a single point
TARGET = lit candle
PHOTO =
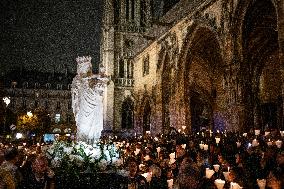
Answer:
(158, 149)
(217, 140)
(254, 142)
(278, 143)
(228, 169)
(238, 144)
(269, 143)
(205, 147)
(256, 131)
(170, 183)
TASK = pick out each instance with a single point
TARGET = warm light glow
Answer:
(7, 100)
(29, 113)
(19, 135)
(217, 140)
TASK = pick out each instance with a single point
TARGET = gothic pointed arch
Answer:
(257, 52)
(127, 114)
(201, 68)
(201, 108)
(185, 52)
(238, 18)
(145, 112)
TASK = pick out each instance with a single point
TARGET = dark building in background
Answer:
(35, 91)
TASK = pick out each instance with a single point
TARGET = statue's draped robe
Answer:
(87, 104)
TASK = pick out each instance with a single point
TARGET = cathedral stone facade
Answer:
(214, 64)
(186, 64)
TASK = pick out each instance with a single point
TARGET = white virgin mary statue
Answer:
(87, 100)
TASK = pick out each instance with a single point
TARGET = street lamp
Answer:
(7, 102)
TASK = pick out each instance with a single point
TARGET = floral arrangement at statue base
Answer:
(76, 162)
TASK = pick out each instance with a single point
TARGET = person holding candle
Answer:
(188, 172)
(236, 175)
(10, 175)
(224, 165)
(157, 181)
(41, 176)
(273, 179)
(135, 180)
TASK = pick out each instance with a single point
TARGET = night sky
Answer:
(46, 34)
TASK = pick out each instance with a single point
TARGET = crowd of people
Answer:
(175, 161)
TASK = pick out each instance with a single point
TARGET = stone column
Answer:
(137, 13)
(123, 10)
(148, 12)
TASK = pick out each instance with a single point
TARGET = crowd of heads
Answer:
(242, 158)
